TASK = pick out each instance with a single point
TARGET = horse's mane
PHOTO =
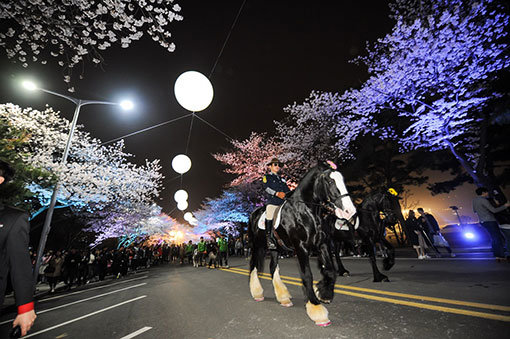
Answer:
(305, 181)
(370, 199)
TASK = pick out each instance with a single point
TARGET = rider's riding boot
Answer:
(271, 244)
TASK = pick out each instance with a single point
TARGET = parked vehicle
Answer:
(466, 235)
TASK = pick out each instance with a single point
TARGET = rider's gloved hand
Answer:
(280, 195)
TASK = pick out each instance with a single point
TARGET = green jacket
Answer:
(189, 248)
(201, 246)
(223, 244)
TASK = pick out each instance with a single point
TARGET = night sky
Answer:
(278, 52)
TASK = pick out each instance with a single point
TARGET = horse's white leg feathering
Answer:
(318, 313)
(280, 290)
(257, 292)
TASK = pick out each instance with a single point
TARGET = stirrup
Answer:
(271, 245)
(270, 242)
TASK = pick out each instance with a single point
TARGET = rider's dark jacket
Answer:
(273, 183)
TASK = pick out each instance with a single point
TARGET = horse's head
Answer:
(330, 189)
(386, 203)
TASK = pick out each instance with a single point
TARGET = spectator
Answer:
(44, 265)
(92, 266)
(212, 252)
(202, 252)
(485, 211)
(71, 263)
(247, 246)
(102, 264)
(223, 251)
(15, 258)
(182, 253)
(83, 268)
(239, 247)
(189, 251)
(54, 270)
(416, 235)
(431, 228)
(231, 247)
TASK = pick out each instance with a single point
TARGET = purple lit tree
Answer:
(228, 211)
(128, 223)
(320, 128)
(437, 69)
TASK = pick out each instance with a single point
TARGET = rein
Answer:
(325, 205)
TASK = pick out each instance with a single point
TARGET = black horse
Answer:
(297, 224)
(377, 211)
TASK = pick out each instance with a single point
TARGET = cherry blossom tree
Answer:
(75, 32)
(248, 158)
(13, 145)
(437, 68)
(94, 175)
(320, 128)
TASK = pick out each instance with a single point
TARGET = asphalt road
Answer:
(438, 298)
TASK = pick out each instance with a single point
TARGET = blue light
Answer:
(469, 235)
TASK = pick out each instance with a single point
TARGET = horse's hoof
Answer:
(259, 299)
(326, 301)
(346, 274)
(289, 304)
(324, 324)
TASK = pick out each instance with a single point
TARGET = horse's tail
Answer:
(256, 243)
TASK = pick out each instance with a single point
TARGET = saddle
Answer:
(276, 219)
(276, 222)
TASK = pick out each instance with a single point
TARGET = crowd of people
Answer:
(79, 267)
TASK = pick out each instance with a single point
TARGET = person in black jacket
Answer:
(431, 228)
(14, 258)
(276, 189)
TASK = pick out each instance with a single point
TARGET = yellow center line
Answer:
(390, 300)
(404, 295)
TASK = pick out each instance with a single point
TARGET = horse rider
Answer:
(276, 189)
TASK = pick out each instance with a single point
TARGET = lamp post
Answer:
(78, 103)
(456, 209)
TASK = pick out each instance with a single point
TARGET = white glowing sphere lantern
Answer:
(182, 205)
(180, 195)
(181, 163)
(193, 91)
(188, 216)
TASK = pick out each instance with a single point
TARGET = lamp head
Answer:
(126, 105)
(31, 86)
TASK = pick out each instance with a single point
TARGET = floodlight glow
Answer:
(469, 235)
(29, 85)
(181, 163)
(193, 91)
(180, 195)
(188, 216)
(126, 104)
(182, 205)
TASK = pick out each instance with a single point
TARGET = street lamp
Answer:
(29, 85)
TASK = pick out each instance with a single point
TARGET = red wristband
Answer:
(26, 308)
